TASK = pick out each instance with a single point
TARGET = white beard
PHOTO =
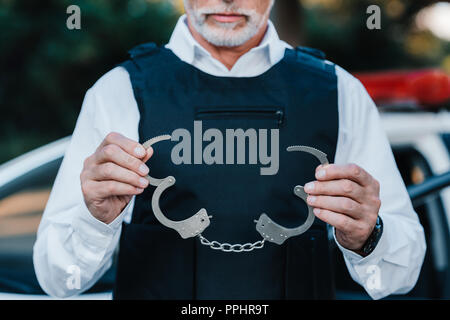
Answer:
(223, 34)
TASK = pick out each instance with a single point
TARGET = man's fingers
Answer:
(348, 171)
(337, 220)
(114, 153)
(343, 187)
(342, 205)
(111, 171)
(130, 146)
(109, 188)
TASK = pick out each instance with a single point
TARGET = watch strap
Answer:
(374, 238)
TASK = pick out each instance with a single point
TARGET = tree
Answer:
(45, 68)
(288, 17)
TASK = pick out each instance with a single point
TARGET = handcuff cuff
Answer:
(195, 225)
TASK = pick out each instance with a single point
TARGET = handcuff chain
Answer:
(226, 247)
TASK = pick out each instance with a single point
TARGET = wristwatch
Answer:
(374, 238)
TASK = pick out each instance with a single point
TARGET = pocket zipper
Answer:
(230, 113)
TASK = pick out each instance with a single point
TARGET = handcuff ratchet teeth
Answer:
(195, 225)
(273, 232)
(187, 228)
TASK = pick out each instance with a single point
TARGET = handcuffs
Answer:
(195, 225)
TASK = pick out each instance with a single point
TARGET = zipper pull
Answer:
(280, 115)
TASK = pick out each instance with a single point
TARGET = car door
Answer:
(22, 202)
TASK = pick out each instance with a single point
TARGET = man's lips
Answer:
(226, 17)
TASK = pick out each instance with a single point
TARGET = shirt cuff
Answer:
(90, 225)
(92, 238)
(354, 258)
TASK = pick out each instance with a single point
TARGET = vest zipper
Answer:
(312, 239)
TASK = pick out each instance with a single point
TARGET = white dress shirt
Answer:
(70, 236)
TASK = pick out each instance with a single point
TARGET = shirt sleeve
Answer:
(394, 265)
(70, 241)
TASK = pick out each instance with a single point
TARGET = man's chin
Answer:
(225, 40)
(225, 35)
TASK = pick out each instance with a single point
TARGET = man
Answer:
(226, 67)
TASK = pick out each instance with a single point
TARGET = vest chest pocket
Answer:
(251, 134)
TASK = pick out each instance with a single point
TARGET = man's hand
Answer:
(112, 175)
(346, 197)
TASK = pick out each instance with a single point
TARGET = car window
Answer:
(446, 139)
(21, 206)
(21, 212)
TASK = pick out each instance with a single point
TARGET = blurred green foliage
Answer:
(45, 68)
(338, 27)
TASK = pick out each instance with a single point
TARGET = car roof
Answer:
(33, 159)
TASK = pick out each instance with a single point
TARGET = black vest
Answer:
(297, 96)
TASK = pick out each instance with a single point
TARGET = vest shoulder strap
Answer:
(140, 55)
(312, 51)
(139, 59)
(143, 49)
(314, 59)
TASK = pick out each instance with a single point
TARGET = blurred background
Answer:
(45, 70)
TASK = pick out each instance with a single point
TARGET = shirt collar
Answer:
(183, 44)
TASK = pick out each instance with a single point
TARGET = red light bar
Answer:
(425, 87)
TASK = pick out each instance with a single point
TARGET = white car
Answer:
(421, 145)
(25, 185)
(414, 109)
